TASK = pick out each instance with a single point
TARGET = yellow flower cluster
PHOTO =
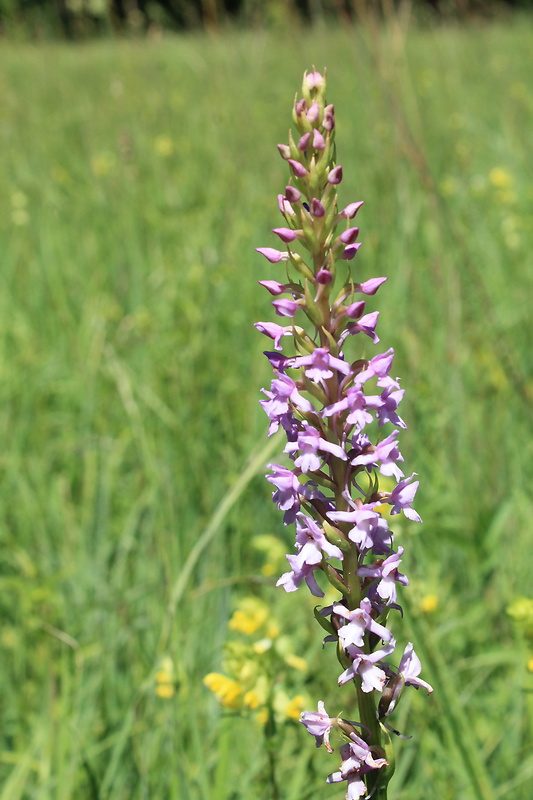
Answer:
(255, 670)
(19, 212)
(521, 612)
(164, 679)
(501, 181)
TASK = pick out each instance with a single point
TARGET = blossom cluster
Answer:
(333, 408)
(262, 675)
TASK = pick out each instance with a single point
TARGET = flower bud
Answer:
(313, 113)
(355, 310)
(273, 255)
(313, 80)
(285, 234)
(303, 142)
(285, 307)
(328, 123)
(371, 286)
(335, 176)
(274, 287)
(298, 169)
(349, 236)
(284, 206)
(292, 194)
(317, 209)
(350, 251)
(324, 276)
(300, 107)
(318, 140)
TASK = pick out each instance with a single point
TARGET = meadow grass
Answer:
(137, 178)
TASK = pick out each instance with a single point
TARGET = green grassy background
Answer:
(137, 177)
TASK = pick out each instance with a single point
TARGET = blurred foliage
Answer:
(74, 19)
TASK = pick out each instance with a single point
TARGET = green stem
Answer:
(372, 735)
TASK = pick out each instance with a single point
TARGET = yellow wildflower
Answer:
(164, 690)
(164, 146)
(262, 646)
(273, 630)
(252, 699)
(530, 664)
(295, 707)
(274, 552)
(226, 690)
(521, 610)
(500, 178)
(102, 164)
(287, 707)
(429, 603)
(296, 662)
(448, 186)
(164, 678)
(262, 716)
(250, 615)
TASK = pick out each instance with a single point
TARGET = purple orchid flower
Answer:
(274, 331)
(309, 443)
(359, 620)
(370, 531)
(319, 725)
(410, 668)
(288, 489)
(310, 543)
(356, 403)
(389, 576)
(365, 667)
(402, 496)
(320, 365)
(333, 427)
(384, 455)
